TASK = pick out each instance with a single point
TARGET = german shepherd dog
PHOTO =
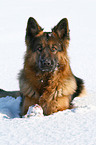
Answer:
(46, 78)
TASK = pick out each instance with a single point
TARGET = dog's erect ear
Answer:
(62, 29)
(33, 28)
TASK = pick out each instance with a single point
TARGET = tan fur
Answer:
(39, 34)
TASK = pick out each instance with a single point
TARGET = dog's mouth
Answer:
(47, 65)
(46, 69)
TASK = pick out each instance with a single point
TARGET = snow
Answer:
(34, 110)
(70, 127)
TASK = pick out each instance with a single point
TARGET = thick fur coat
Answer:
(46, 78)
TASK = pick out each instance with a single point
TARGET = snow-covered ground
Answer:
(70, 127)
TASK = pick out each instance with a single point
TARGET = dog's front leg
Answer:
(54, 102)
(28, 101)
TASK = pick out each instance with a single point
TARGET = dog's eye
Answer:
(39, 49)
(53, 49)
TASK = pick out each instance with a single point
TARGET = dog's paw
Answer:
(34, 110)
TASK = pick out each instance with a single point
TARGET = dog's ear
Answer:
(33, 28)
(62, 29)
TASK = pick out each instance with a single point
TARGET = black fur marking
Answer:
(22, 99)
(80, 87)
(48, 34)
(21, 103)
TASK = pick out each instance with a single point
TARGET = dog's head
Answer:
(47, 51)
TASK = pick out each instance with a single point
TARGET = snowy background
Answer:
(70, 127)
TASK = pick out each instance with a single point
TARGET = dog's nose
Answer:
(46, 62)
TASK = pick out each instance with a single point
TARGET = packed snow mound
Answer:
(34, 110)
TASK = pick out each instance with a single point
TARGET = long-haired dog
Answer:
(46, 78)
